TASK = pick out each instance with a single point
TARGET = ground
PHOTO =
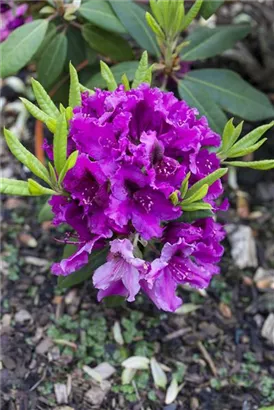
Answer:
(214, 347)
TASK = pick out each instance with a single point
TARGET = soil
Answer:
(215, 348)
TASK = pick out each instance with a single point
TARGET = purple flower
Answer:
(121, 274)
(135, 149)
(12, 16)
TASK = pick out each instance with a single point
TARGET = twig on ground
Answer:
(177, 333)
(207, 358)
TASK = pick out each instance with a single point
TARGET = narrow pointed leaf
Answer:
(184, 186)
(74, 89)
(52, 173)
(43, 99)
(14, 187)
(263, 165)
(127, 67)
(196, 206)
(60, 143)
(108, 76)
(191, 14)
(26, 157)
(159, 376)
(36, 189)
(154, 26)
(196, 196)
(195, 216)
(35, 111)
(244, 151)
(209, 180)
(125, 82)
(230, 135)
(251, 138)
(70, 162)
(117, 333)
(141, 71)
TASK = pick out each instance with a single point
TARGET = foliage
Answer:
(76, 31)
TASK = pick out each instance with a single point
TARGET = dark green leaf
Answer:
(45, 213)
(21, 46)
(14, 187)
(195, 215)
(96, 259)
(262, 165)
(207, 42)
(209, 7)
(26, 157)
(127, 67)
(114, 301)
(108, 44)
(76, 52)
(201, 100)
(133, 18)
(232, 93)
(101, 14)
(51, 32)
(52, 61)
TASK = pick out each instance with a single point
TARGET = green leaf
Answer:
(132, 17)
(52, 61)
(96, 259)
(44, 101)
(263, 165)
(244, 151)
(14, 187)
(184, 186)
(26, 157)
(125, 82)
(36, 189)
(141, 71)
(196, 206)
(108, 44)
(52, 173)
(127, 67)
(196, 196)
(70, 162)
(209, 7)
(207, 42)
(100, 13)
(209, 180)
(194, 10)
(74, 88)
(249, 139)
(194, 216)
(108, 76)
(21, 46)
(35, 111)
(60, 143)
(230, 135)
(84, 89)
(201, 100)
(232, 93)
(51, 32)
(45, 213)
(76, 52)
(154, 26)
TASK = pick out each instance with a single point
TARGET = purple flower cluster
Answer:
(12, 16)
(135, 148)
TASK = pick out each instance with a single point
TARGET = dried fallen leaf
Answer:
(61, 393)
(225, 310)
(268, 328)
(159, 376)
(93, 374)
(187, 308)
(264, 278)
(172, 391)
(117, 333)
(105, 370)
(127, 375)
(243, 247)
(136, 362)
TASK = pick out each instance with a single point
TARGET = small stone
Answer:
(22, 316)
(105, 370)
(6, 319)
(97, 393)
(225, 310)
(28, 240)
(14, 203)
(44, 346)
(32, 260)
(61, 393)
(9, 363)
(194, 403)
(268, 328)
(39, 279)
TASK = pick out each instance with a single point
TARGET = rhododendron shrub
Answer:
(136, 174)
